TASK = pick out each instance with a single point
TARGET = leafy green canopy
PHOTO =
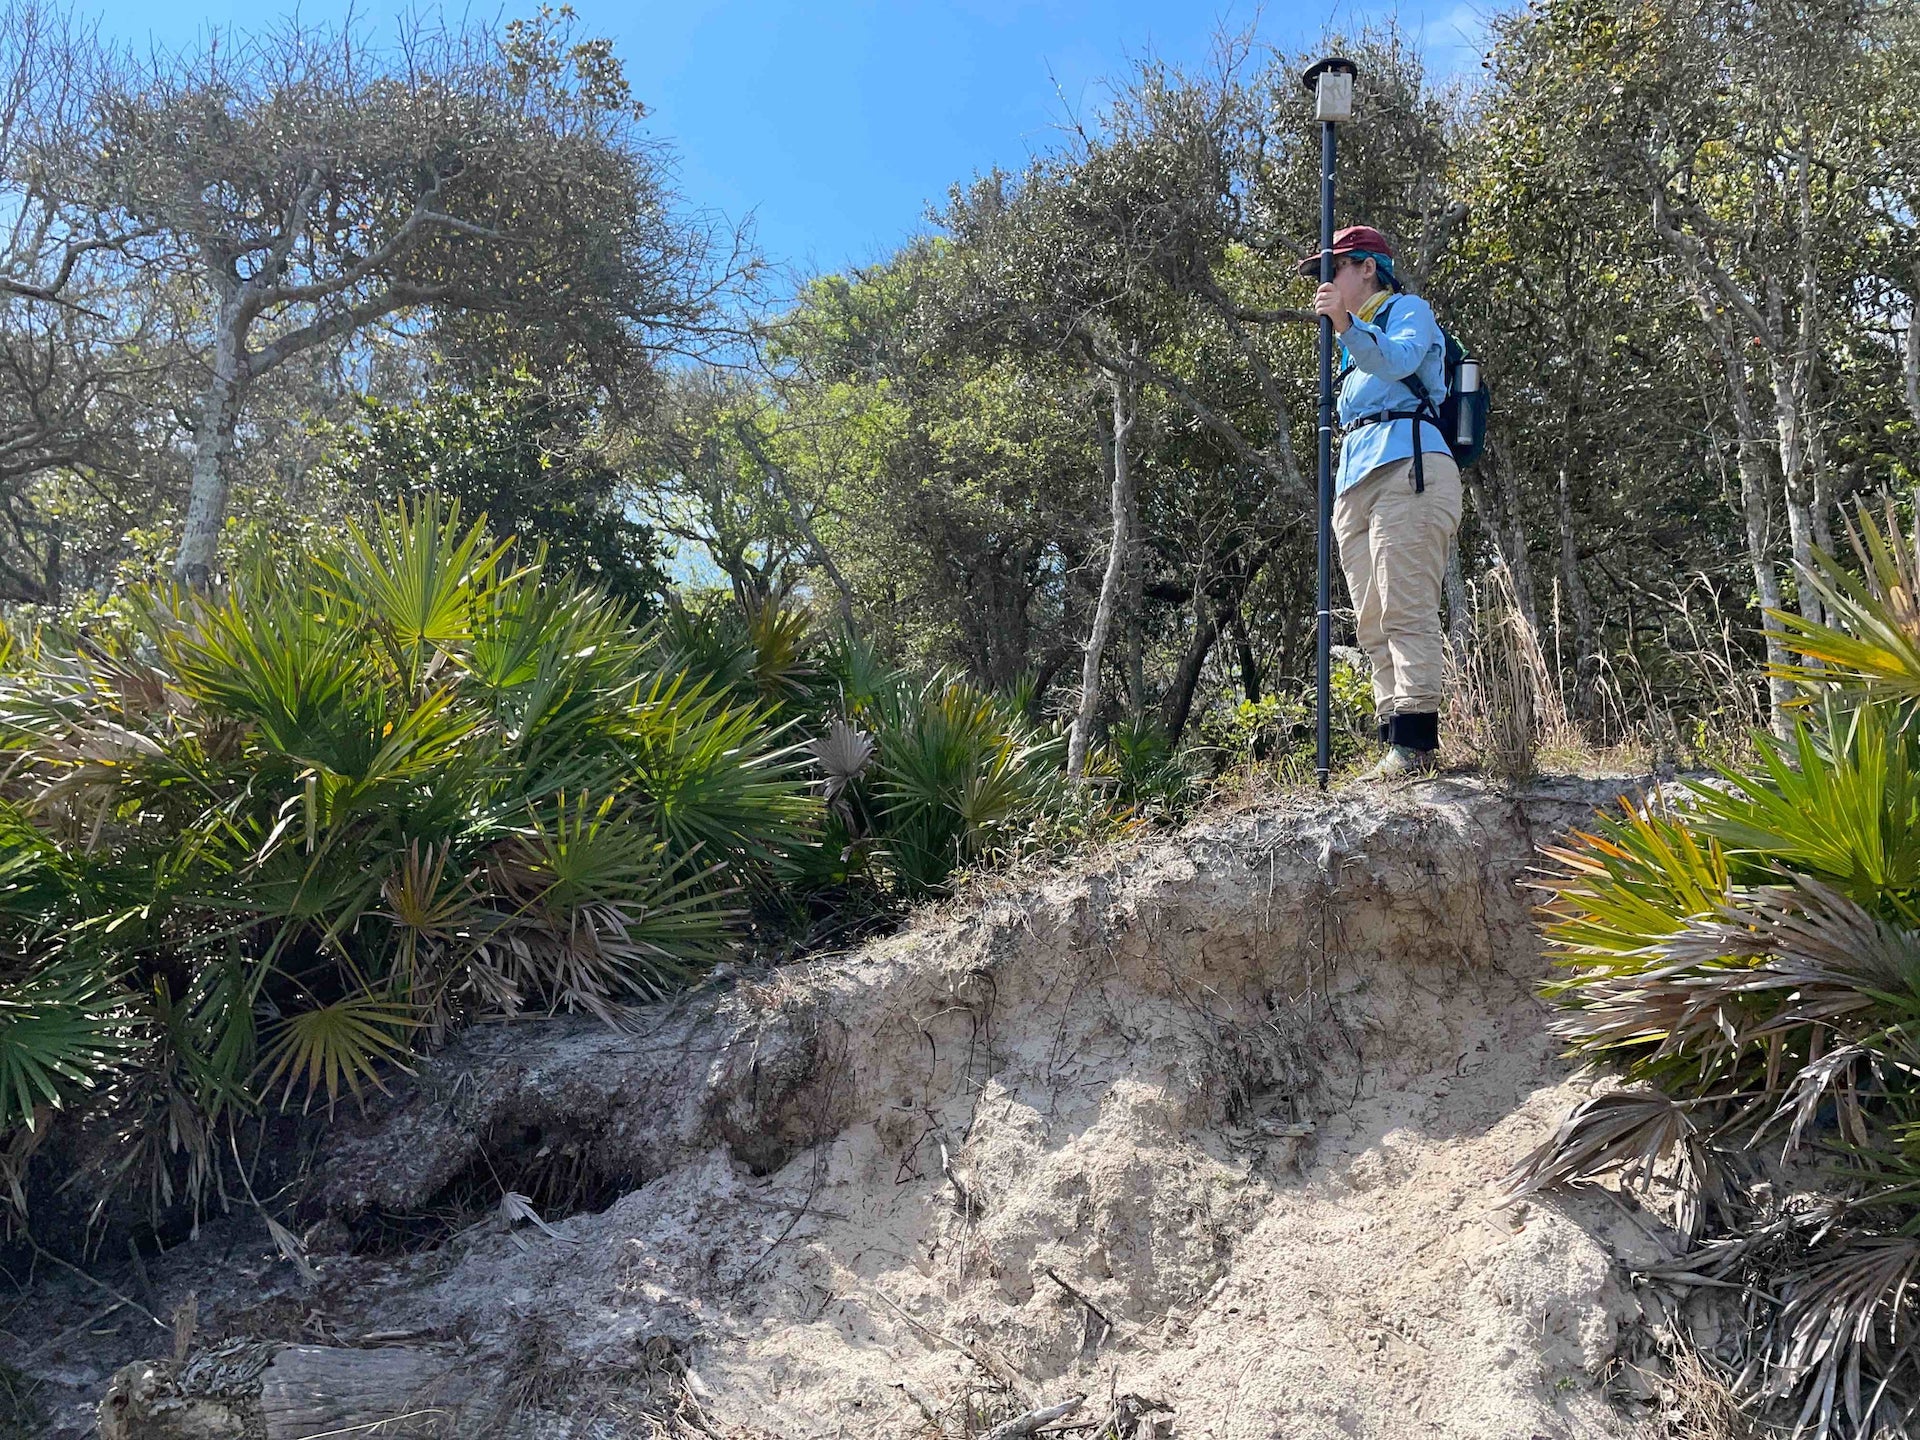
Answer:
(519, 453)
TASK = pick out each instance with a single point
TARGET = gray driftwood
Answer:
(1031, 1422)
(252, 1390)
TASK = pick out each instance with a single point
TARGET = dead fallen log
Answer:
(263, 1390)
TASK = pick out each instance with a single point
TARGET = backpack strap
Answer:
(1426, 409)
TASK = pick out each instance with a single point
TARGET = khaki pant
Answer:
(1393, 547)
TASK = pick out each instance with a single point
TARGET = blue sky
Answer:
(837, 122)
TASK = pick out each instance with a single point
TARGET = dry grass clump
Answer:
(655, 1398)
(1699, 1404)
(1504, 706)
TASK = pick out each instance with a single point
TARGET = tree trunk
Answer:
(1178, 706)
(1823, 496)
(1051, 664)
(1806, 370)
(1136, 607)
(212, 449)
(1459, 618)
(1251, 684)
(52, 585)
(1294, 619)
(1503, 513)
(1585, 654)
(1110, 583)
(1766, 577)
(1789, 410)
(1755, 499)
(1912, 357)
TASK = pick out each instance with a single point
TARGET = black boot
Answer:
(1413, 744)
(1416, 732)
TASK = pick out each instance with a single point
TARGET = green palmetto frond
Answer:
(551, 661)
(62, 1029)
(1872, 638)
(718, 782)
(956, 775)
(1629, 884)
(858, 672)
(421, 574)
(1755, 954)
(288, 664)
(360, 774)
(440, 919)
(1781, 999)
(707, 642)
(424, 901)
(603, 906)
(1842, 805)
(1766, 963)
(38, 880)
(778, 638)
(338, 1046)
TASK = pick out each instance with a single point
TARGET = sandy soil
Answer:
(1205, 1133)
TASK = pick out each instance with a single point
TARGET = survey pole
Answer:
(1331, 81)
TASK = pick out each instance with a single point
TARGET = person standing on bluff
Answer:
(1397, 494)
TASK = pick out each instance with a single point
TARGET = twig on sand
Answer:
(1106, 1323)
(969, 1207)
(1030, 1423)
(98, 1284)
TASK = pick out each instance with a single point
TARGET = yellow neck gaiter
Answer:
(1374, 302)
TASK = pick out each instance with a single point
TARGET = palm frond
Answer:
(1844, 1337)
(1632, 1133)
(1872, 638)
(62, 1029)
(338, 1046)
(419, 571)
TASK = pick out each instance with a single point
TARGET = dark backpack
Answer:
(1449, 416)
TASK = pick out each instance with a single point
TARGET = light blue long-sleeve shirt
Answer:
(1382, 357)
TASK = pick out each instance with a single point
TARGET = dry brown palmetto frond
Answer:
(1768, 1004)
(1812, 926)
(1829, 1309)
(1765, 964)
(1845, 1336)
(1632, 1133)
(842, 755)
(583, 961)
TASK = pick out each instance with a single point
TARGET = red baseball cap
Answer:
(1347, 242)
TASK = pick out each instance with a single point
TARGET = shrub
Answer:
(957, 777)
(1148, 775)
(1278, 729)
(1749, 959)
(264, 844)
